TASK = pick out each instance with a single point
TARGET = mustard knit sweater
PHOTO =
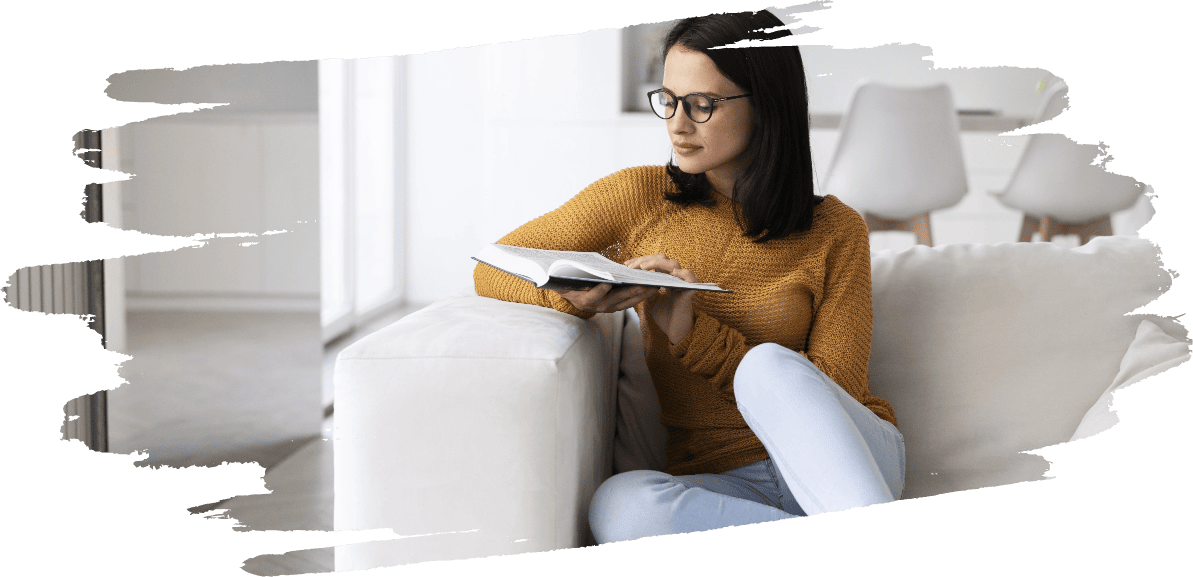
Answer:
(809, 292)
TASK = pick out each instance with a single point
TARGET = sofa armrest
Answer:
(484, 424)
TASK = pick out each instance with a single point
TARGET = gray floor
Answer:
(301, 498)
(207, 387)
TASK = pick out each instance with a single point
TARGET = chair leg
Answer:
(920, 226)
(1048, 228)
(923, 229)
(1084, 230)
(1099, 227)
(873, 223)
(1031, 224)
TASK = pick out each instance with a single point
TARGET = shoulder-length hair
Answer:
(775, 190)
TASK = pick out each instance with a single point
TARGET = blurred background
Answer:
(225, 339)
(347, 193)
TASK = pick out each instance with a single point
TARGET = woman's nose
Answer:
(680, 122)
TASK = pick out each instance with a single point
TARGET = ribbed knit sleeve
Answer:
(592, 221)
(712, 350)
(843, 321)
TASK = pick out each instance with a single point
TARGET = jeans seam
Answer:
(760, 434)
(750, 485)
(770, 468)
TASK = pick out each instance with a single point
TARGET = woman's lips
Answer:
(685, 149)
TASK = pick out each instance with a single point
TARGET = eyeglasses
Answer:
(697, 106)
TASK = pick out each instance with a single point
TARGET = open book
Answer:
(568, 270)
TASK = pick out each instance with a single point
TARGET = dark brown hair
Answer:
(775, 190)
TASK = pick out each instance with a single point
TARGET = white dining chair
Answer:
(898, 157)
(1059, 188)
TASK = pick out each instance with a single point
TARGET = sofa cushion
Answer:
(986, 351)
(1152, 352)
(641, 438)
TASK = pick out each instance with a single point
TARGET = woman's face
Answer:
(717, 147)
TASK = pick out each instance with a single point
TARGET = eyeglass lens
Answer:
(697, 107)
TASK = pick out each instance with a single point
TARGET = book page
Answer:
(620, 273)
(545, 258)
(496, 256)
(556, 263)
(629, 275)
(566, 269)
(551, 260)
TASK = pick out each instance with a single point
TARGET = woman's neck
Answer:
(721, 183)
(724, 177)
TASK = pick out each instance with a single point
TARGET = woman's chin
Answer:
(688, 166)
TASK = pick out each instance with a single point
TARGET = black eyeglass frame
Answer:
(687, 106)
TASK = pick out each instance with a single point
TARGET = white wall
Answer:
(501, 134)
(834, 73)
(251, 167)
(269, 88)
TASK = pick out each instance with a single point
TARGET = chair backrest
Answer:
(899, 154)
(1055, 101)
(1055, 176)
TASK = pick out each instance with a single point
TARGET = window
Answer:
(361, 132)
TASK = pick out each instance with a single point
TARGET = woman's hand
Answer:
(603, 298)
(672, 311)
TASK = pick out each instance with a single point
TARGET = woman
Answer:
(764, 391)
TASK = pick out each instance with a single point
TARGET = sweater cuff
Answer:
(564, 306)
(704, 330)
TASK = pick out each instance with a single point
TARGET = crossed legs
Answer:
(827, 453)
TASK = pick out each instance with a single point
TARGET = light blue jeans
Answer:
(828, 452)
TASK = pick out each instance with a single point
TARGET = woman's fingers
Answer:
(638, 262)
(584, 299)
(655, 262)
(626, 297)
(588, 294)
(599, 291)
(684, 274)
(603, 298)
(660, 263)
(634, 297)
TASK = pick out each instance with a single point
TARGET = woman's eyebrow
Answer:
(710, 93)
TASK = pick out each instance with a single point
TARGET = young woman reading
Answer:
(764, 391)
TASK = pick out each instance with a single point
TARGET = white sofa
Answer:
(483, 427)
